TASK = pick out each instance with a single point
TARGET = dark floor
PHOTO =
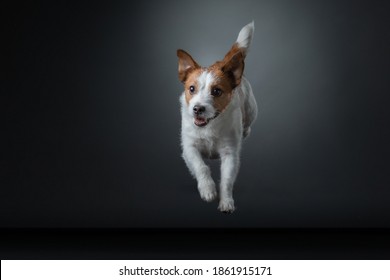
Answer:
(195, 244)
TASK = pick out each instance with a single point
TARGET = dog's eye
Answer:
(216, 92)
(192, 89)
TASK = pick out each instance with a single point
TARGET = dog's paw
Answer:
(207, 191)
(226, 206)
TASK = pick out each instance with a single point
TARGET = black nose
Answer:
(199, 109)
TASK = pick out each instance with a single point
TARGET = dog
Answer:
(217, 109)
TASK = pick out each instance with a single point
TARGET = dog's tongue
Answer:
(200, 121)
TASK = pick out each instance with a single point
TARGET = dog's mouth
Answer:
(200, 121)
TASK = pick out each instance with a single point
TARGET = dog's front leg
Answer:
(230, 162)
(201, 172)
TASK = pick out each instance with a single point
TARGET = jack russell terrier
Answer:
(218, 109)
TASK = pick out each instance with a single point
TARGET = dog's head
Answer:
(208, 91)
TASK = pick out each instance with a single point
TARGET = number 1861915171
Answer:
(263, 270)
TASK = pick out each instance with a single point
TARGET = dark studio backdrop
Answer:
(90, 136)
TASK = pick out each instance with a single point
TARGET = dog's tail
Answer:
(245, 37)
(243, 42)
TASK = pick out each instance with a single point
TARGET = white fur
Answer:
(203, 96)
(220, 138)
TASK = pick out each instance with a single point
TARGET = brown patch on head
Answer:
(192, 81)
(228, 73)
(222, 86)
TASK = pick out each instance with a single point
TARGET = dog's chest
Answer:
(208, 147)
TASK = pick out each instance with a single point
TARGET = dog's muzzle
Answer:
(202, 121)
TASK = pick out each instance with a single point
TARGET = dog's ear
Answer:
(186, 64)
(233, 65)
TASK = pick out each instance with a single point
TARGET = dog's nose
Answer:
(199, 109)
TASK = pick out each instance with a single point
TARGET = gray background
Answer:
(92, 123)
